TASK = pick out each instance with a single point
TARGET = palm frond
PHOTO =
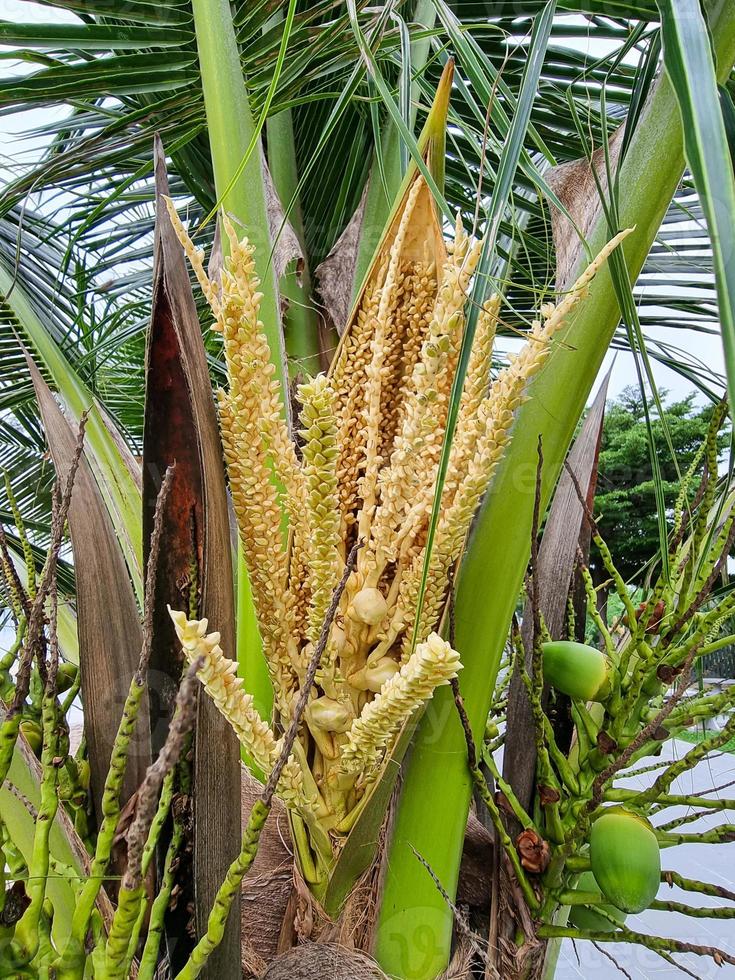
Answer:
(85, 253)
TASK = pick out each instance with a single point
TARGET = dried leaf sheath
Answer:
(373, 432)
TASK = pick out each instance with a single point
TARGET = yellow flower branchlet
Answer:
(219, 677)
(371, 437)
(432, 664)
(319, 434)
(195, 257)
(417, 445)
(377, 372)
(474, 391)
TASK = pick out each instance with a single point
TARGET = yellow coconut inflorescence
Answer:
(371, 435)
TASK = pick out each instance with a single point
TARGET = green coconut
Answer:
(576, 669)
(65, 676)
(625, 858)
(589, 917)
(33, 734)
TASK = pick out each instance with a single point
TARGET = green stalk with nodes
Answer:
(132, 895)
(26, 937)
(70, 965)
(227, 893)
(30, 564)
(154, 935)
(149, 958)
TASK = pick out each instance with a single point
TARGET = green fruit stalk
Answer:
(589, 918)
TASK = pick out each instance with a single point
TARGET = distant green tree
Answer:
(626, 498)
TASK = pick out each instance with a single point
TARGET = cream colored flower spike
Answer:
(219, 677)
(220, 680)
(432, 664)
(371, 436)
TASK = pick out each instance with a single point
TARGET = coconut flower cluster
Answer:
(371, 433)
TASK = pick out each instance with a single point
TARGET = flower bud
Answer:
(369, 606)
(373, 678)
(329, 715)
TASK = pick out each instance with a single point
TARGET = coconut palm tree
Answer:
(299, 122)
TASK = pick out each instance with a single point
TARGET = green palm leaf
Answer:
(689, 62)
